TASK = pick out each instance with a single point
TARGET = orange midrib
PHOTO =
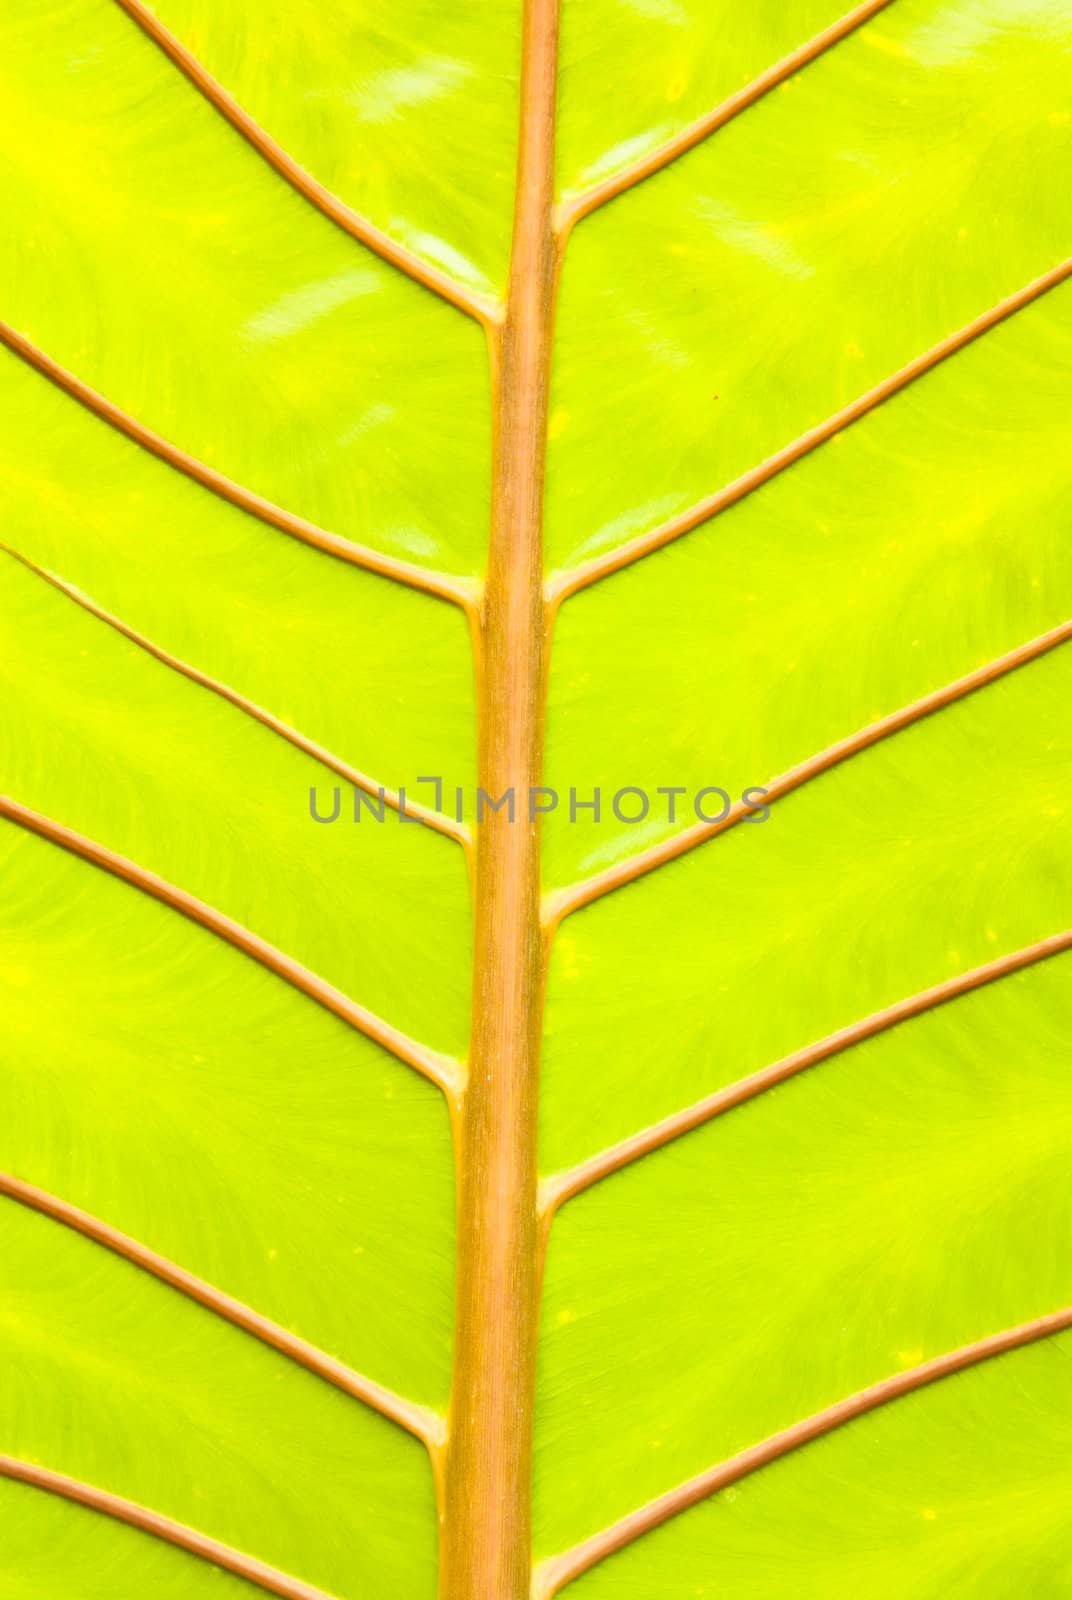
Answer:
(486, 1546)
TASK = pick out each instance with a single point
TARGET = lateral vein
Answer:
(563, 1186)
(460, 591)
(554, 1574)
(161, 1527)
(570, 582)
(562, 903)
(422, 1423)
(445, 1072)
(482, 309)
(357, 779)
(574, 207)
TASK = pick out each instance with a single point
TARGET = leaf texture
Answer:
(761, 389)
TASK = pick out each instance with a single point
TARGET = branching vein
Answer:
(486, 1467)
(440, 584)
(481, 308)
(161, 1527)
(441, 1070)
(589, 572)
(582, 205)
(425, 1425)
(555, 1191)
(563, 902)
(359, 780)
(554, 1574)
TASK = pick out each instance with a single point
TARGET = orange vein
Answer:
(161, 1527)
(589, 572)
(425, 1425)
(562, 902)
(458, 590)
(441, 1070)
(573, 209)
(555, 1191)
(554, 1574)
(481, 308)
(359, 780)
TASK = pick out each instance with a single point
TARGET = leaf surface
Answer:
(785, 356)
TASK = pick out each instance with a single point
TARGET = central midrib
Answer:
(486, 1533)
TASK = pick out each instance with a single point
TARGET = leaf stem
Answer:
(486, 1551)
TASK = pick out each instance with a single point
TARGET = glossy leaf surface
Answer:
(185, 657)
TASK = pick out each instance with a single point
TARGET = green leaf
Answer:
(305, 1287)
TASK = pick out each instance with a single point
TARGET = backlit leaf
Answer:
(667, 1199)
